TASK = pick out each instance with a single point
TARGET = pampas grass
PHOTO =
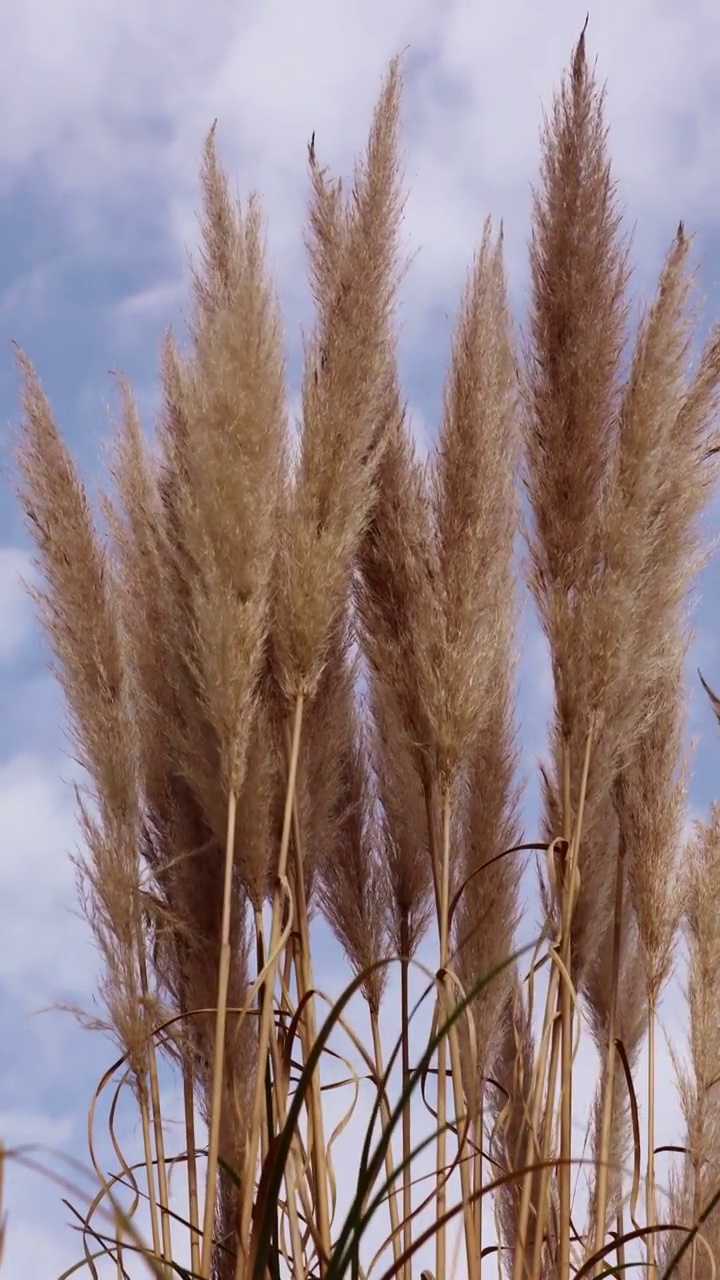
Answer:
(291, 677)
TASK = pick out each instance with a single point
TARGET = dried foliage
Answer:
(291, 686)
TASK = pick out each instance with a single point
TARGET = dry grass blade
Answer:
(81, 624)
(578, 320)
(394, 593)
(487, 912)
(474, 482)
(197, 613)
(488, 909)
(572, 393)
(81, 621)
(651, 799)
(352, 890)
(396, 601)
(354, 262)
(700, 1177)
(353, 258)
(232, 398)
(614, 544)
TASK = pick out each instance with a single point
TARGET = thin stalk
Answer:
(269, 1126)
(531, 1150)
(155, 1103)
(441, 876)
(445, 884)
(441, 1159)
(219, 1051)
(149, 1168)
(454, 1047)
(609, 1071)
(565, 1172)
(274, 1119)
(566, 1014)
(650, 1206)
(162, 1164)
(308, 1035)
(478, 1176)
(620, 1251)
(550, 1026)
(264, 1034)
(192, 1178)
(156, 1109)
(406, 1124)
(385, 1117)
(545, 1149)
(471, 1242)
(549, 1043)
(695, 1217)
(294, 1186)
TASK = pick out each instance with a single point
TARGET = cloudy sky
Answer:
(105, 107)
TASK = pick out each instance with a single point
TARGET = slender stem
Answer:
(565, 1173)
(149, 1168)
(696, 1207)
(308, 1035)
(219, 1048)
(156, 1114)
(542, 1201)
(454, 1047)
(445, 883)
(274, 1119)
(566, 1013)
(601, 1194)
(650, 1206)
(162, 1164)
(441, 1165)
(406, 1120)
(441, 876)
(558, 990)
(620, 1251)
(471, 1247)
(385, 1116)
(548, 1042)
(265, 1031)
(269, 1126)
(192, 1178)
(478, 1175)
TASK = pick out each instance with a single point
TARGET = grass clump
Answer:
(290, 673)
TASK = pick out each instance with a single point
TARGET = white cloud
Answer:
(45, 951)
(33, 1126)
(113, 101)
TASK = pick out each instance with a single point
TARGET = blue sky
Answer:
(105, 106)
